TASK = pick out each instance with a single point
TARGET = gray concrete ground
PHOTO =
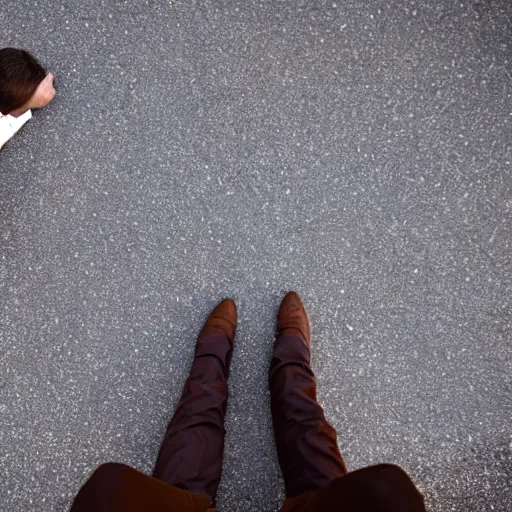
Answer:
(358, 152)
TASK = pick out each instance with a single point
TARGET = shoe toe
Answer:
(292, 316)
(222, 318)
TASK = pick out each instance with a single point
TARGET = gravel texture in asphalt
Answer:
(357, 152)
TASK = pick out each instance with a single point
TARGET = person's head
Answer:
(24, 83)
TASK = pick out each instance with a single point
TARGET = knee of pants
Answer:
(107, 471)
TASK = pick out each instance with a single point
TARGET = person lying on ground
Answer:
(189, 465)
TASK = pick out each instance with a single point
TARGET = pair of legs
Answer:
(188, 468)
(191, 454)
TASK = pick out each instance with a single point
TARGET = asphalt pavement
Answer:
(357, 152)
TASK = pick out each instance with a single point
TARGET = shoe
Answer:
(292, 318)
(222, 320)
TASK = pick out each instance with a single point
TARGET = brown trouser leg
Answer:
(381, 488)
(190, 457)
(191, 454)
(118, 488)
(306, 443)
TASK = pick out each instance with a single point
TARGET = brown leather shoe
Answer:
(292, 318)
(221, 320)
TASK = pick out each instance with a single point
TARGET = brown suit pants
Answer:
(188, 468)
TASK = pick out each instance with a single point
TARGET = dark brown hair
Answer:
(20, 74)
